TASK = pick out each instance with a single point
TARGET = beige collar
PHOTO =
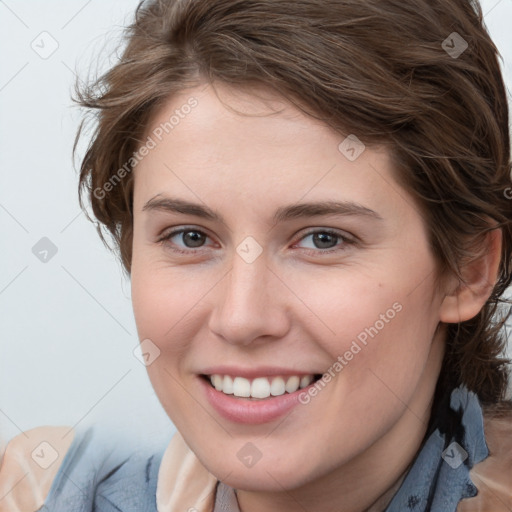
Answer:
(183, 482)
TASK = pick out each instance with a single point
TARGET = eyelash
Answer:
(346, 241)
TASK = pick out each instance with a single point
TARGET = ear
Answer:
(467, 299)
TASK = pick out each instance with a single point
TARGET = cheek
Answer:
(153, 315)
(379, 325)
(394, 358)
(160, 306)
(163, 298)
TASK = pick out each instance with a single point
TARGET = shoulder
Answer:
(29, 465)
(62, 469)
(493, 476)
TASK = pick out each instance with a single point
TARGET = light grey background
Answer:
(67, 329)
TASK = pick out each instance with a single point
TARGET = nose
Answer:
(250, 304)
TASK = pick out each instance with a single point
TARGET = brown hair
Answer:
(386, 70)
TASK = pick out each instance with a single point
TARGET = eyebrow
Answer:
(283, 213)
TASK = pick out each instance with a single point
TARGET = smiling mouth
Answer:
(260, 388)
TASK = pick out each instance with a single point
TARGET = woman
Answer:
(330, 337)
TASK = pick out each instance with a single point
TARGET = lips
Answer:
(254, 395)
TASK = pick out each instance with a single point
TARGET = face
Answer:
(267, 253)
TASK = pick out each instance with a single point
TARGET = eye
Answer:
(190, 238)
(326, 241)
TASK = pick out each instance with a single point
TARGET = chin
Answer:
(262, 481)
(263, 476)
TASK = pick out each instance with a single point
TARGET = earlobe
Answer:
(468, 298)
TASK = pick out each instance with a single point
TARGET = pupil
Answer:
(194, 240)
(324, 240)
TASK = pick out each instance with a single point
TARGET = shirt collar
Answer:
(439, 476)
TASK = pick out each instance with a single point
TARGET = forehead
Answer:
(219, 110)
(218, 142)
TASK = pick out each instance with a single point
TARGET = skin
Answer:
(294, 306)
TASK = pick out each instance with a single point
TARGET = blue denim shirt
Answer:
(94, 478)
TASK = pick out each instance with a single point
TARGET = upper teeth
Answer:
(261, 387)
